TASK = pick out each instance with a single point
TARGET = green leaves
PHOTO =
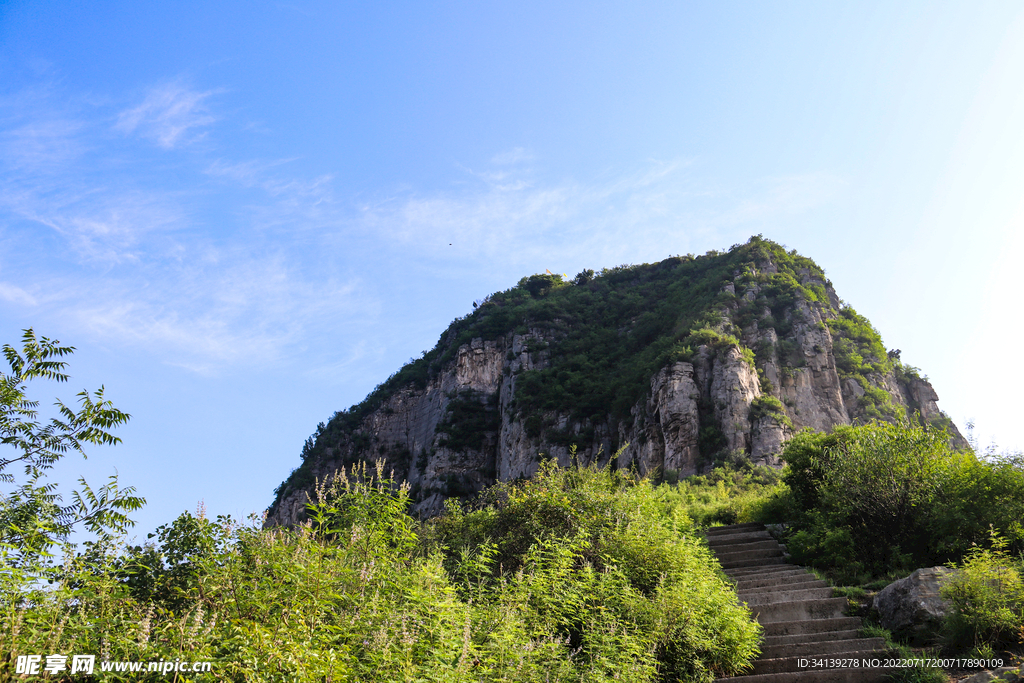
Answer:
(987, 593)
(595, 558)
(902, 483)
(32, 516)
(104, 509)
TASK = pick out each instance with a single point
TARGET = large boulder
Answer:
(913, 606)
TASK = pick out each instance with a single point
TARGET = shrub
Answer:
(972, 497)
(727, 495)
(865, 483)
(468, 420)
(987, 594)
(770, 407)
(593, 523)
(898, 482)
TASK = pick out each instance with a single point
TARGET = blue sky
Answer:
(246, 215)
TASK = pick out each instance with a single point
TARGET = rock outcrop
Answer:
(913, 606)
(760, 369)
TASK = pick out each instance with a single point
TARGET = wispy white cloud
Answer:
(288, 201)
(42, 144)
(127, 259)
(57, 171)
(16, 295)
(260, 174)
(100, 224)
(171, 114)
(784, 195)
(214, 309)
(253, 173)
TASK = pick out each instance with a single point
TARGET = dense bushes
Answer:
(606, 528)
(883, 498)
(770, 407)
(868, 504)
(859, 348)
(468, 420)
(578, 575)
(730, 495)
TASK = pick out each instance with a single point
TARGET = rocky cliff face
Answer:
(737, 396)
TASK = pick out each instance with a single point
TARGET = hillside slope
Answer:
(690, 361)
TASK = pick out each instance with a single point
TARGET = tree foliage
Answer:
(987, 596)
(886, 497)
(33, 514)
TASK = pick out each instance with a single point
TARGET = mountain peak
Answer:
(671, 368)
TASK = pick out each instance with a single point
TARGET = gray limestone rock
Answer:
(913, 604)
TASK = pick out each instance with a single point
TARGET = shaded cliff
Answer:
(691, 362)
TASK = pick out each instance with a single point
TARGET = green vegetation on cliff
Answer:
(607, 334)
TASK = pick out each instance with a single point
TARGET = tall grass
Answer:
(575, 576)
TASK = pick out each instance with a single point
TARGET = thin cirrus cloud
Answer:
(17, 295)
(98, 220)
(42, 145)
(212, 309)
(171, 114)
(298, 204)
(123, 257)
(515, 155)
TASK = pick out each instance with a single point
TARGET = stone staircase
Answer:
(801, 619)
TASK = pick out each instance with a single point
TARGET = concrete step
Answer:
(744, 537)
(752, 554)
(753, 563)
(754, 544)
(804, 631)
(802, 626)
(732, 551)
(819, 649)
(787, 582)
(856, 659)
(783, 595)
(787, 570)
(869, 675)
(734, 528)
(772, 641)
(741, 572)
(801, 610)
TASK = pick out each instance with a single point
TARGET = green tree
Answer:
(881, 497)
(33, 515)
